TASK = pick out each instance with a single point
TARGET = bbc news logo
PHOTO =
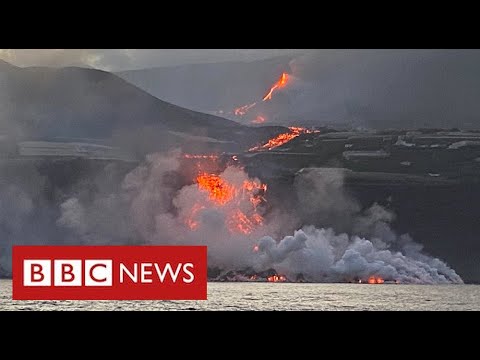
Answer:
(109, 272)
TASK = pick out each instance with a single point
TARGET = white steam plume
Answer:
(321, 255)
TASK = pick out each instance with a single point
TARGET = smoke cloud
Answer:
(26, 218)
(151, 208)
(365, 246)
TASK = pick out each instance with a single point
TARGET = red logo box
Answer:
(109, 272)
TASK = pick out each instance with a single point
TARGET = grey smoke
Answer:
(151, 211)
(355, 243)
(25, 217)
(149, 208)
(322, 197)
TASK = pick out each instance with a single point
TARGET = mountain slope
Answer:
(39, 102)
(374, 88)
(211, 86)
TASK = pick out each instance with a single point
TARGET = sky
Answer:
(129, 59)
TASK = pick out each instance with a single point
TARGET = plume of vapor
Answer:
(152, 206)
(322, 255)
(158, 212)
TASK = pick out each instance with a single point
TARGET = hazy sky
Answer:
(126, 59)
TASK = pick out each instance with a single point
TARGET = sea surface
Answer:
(283, 296)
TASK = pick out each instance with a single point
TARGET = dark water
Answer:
(283, 296)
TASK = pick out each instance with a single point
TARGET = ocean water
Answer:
(283, 296)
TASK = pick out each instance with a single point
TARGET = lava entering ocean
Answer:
(225, 209)
(277, 278)
(375, 280)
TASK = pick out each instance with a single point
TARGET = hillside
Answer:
(373, 88)
(211, 86)
(72, 102)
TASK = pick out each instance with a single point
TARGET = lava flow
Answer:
(281, 83)
(242, 110)
(223, 194)
(219, 190)
(283, 138)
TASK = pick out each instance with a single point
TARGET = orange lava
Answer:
(241, 223)
(282, 82)
(276, 278)
(218, 189)
(284, 138)
(242, 110)
(224, 194)
(375, 280)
